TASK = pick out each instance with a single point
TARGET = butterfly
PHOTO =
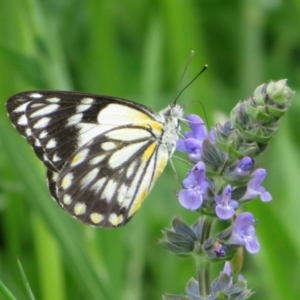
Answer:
(103, 154)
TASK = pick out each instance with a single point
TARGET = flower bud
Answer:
(253, 122)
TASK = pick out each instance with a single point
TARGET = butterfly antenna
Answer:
(203, 69)
(184, 70)
(204, 111)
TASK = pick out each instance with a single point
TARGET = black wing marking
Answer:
(55, 122)
(100, 187)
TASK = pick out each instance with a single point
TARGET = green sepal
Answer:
(213, 158)
(173, 297)
(181, 239)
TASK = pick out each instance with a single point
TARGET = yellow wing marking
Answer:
(96, 218)
(159, 169)
(156, 126)
(79, 157)
(66, 182)
(149, 151)
(119, 114)
(138, 202)
(115, 220)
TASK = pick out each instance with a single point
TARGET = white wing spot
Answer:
(37, 143)
(54, 176)
(67, 200)
(88, 131)
(109, 190)
(21, 108)
(48, 109)
(35, 105)
(22, 120)
(79, 208)
(128, 198)
(89, 177)
(51, 144)
(79, 157)
(56, 158)
(97, 186)
(122, 193)
(36, 95)
(75, 119)
(96, 218)
(82, 107)
(53, 100)
(115, 220)
(87, 100)
(28, 131)
(41, 123)
(43, 134)
(119, 114)
(108, 146)
(124, 154)
(128, 134)
(66, 182)
(130, 169)
(97, 159)
(45, 157)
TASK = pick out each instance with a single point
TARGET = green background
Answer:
(137, 50)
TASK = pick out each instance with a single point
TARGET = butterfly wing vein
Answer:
(102, 154)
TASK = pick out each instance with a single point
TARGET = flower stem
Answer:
(202, 264)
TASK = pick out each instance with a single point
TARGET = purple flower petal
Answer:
(199, 171)
(180, 145)
(246, 164)
(243, 233)
(259, 176)
(198, 127)
(224, 212)
(190, 199)
(252, 245)
(227, 268)
(194, 148)
(225, 205)
(228, 271)
(192, 143)
(244, 222)
(190, 181)
(265, 196)
(195, 186)
(212, 136)
(254, 189)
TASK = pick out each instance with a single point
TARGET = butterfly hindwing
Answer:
(103, 154)
(105, 181)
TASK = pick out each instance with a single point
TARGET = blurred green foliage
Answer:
(137, 50)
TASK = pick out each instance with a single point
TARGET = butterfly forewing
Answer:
(61, 122)
(103, 154)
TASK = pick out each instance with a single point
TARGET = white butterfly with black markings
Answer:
(103, 154)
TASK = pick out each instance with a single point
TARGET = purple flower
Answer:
(227, 268)
(228, 271)
(220, 250)
(225, 205)
(241, 169)
(254, 187)
(243, 233)
(195, 186)
(244, 167)
(192, 144)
